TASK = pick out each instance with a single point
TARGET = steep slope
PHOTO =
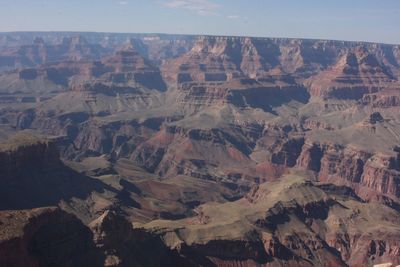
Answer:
(356, 73)
(31, 167)
(32, 175)
(52, 237)
(210, 59)
(292, 222)
(227, 58)
(69, 48)
(128, 65)
(161, 127)
(45, 237)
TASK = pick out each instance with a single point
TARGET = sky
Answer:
(357, 20)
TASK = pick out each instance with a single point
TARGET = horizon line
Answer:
(202, 35)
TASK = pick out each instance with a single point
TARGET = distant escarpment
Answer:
(265, 95)
(40, 51)
(328, 68)
(125, 68)
(356, 73)
(266, 74)
(236, 151)
(229, 58)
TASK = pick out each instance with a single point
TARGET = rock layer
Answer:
(167, 127)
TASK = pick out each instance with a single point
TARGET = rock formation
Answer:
(293, 222)
(45, 237)
(206, 151)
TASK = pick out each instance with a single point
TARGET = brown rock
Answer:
(46, 236)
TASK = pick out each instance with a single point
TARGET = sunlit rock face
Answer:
(202, 150)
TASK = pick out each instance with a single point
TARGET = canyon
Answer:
(181, 150)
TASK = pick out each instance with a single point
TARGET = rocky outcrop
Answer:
(162, 155)
(356, 73)
(346, 163)
(229, 58)
(31, 167)
(110, 229)
(363, 169)
(52, 237)
(265, 95)
(288, 152)
(287, 223)
(375, 118)
(122, 245)
(380, 177)
(26, 152)
(317, 125)
(385, 99)
(74, 48)
(236, 112)
(127, 66)
(112, 232)
(45, 237)
(211, 59)
(118, 139)
(368, 173)
(79, 70)
(310, 157)
(200, 94)
(50, 78)
(359, 250)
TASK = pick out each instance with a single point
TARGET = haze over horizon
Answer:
(368, 20)
(122, 146)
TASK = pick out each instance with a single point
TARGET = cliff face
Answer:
(32, 175)
(290, 222)
(180, 151)
(227, 58)
(121, 245)
(374, 173)
(45, 236)
(210, 59)
(28, 153)
(161, 126)
(52, 237)
(39, 52)
(329, 69)
(128, 65)
(230, 82)
(356, 73)
(126, 68)
(385, 99)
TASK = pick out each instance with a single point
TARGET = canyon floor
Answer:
(179, 150)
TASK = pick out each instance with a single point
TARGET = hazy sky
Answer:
(367, 20)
